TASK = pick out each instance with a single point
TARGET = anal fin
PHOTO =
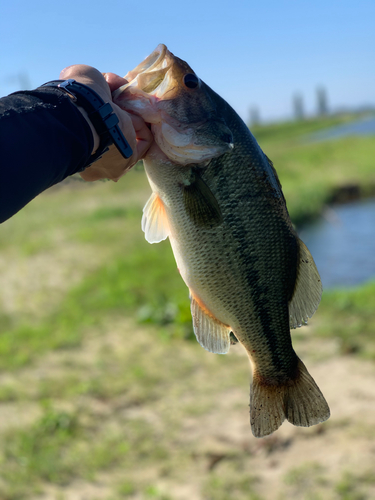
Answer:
(211, 333)
(154, 220)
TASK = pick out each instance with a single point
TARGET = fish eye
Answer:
(191, 81)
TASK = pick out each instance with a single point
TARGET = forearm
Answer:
(44, 138)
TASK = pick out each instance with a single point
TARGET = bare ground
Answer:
(217, 440)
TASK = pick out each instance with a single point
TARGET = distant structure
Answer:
(24, 80)
(254, 116)
(298, 109)
(322, 103)
(21, 79)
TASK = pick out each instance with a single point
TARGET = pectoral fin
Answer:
(211, 333)
(201, 204)
(308, 289)
(154, 220)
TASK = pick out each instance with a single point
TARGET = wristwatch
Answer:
(101, 115)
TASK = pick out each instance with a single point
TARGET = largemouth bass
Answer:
(217, 197)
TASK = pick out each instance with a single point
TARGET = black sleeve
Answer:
(43, 139)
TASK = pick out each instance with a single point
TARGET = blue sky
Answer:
(251, 53)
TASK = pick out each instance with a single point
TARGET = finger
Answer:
(65, 71)
(91, 174)
(142, 131)
(142, 148)
(138, 122)
(143, 135)
(114, 81)
(143, 143)
(88, 76)
(83, 71)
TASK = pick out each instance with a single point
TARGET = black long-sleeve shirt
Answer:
(43, 139)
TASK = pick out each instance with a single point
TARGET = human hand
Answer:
(112, 165)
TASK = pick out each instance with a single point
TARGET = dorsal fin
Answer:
(211, 333)
(307, 291)
(270, 162)
(154, 220)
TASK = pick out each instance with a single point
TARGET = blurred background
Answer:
(104, 392)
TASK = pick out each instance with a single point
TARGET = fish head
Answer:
(184, 119)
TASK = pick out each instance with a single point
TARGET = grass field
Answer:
(312, 174)
(104, 392)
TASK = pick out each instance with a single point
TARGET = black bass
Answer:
(218, 198)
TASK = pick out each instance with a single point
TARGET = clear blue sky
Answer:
(251, 53)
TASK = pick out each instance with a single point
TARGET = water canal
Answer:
(364, 126)
(342, 242)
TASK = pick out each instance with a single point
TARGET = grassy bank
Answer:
(104, 392)
(314, 174)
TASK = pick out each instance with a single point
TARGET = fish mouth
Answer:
(152, 62)
(150, 77)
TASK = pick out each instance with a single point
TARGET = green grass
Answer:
(295, 130)
(312, 174)
(353, 486)
(310, 481)
(60, 447)
(121, 286)
(307, 479)
(348, 316)
(233, 485)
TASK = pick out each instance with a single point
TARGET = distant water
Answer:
(342, 244)
(365, 126)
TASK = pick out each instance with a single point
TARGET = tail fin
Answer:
(299, 400)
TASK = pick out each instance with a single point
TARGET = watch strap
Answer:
(101, 115)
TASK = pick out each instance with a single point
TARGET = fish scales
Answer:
(217, 196)
(256, 274)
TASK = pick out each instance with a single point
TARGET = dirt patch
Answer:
(216, 442)
(34, 285)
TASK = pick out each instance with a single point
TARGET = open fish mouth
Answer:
(151, 62)
(151, 77)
